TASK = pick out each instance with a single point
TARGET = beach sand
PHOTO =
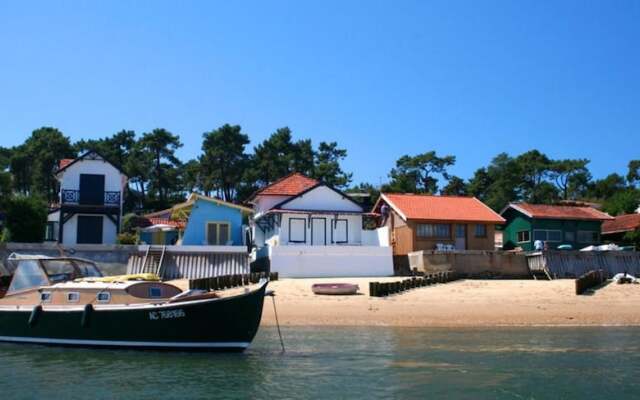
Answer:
(464, 303)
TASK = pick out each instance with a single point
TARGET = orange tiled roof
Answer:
(64, 162)
(546, 211)
(290, 185)
(445, 208)
(622, 223)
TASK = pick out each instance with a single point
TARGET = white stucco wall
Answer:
(376, 237)
(70, 231)
(114, 181)
(322, 198)
(331, 261)
(265, 203)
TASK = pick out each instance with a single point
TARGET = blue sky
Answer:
(384, 79)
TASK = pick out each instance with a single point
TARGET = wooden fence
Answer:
(572, 264)
(382, 289)
(194, 265)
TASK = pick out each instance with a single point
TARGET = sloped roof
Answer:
(622, 223)
(444, 208)
(290, 185)
(64, 162)
(67, 162)
(546, 211)
(191, 199)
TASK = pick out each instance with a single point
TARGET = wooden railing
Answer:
(73, 197)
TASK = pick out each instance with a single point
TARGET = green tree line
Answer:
(229, 168)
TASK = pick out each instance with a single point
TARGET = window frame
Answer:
(435, 231)
(597, 236)
(75, 294)
(103, 301)
(304, 230)
(153, 288)
(528, 232)
(218, 230)
(47, 293)
(334, 226)
(546, 231)
(485, 229)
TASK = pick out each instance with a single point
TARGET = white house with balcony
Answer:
(306, 228)
(90, 204)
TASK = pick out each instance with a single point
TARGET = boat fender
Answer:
(86, 315)
(35, 314)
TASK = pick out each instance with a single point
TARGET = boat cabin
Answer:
(73, 281)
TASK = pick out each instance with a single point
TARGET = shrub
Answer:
(26, 219)
(128, 238)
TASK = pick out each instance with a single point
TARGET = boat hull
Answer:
(220, 324)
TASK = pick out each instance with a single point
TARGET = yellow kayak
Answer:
(121, 278)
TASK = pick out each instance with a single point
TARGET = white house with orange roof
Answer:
(307, 228)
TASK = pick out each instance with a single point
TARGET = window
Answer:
(51, 232)
(340, 231)
(297, 230)
(59, 270)
(218, 233)
(434, 231)
(569, 236)
(73, 297)
(103, 297)
(547, 235)
(481, 230)
(524, 237)
(45, 297)
(27, 275)
(588, 237)
(155, 292)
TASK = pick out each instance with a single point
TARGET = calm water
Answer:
(346, 363)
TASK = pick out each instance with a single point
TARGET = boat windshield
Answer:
(68, 270)
(27, 275)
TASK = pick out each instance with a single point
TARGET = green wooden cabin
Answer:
(577, 226)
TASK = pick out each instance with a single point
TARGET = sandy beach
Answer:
(464, 303)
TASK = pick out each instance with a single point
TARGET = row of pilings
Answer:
(383, 289)
(231, 281)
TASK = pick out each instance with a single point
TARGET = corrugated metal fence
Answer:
(571, 264)
(194, 265)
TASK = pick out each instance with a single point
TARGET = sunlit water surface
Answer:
(539, 363)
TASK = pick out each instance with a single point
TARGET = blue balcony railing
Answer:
(76, 197)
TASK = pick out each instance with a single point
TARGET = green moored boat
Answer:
(65, 301)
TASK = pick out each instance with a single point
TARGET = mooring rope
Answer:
(275, 312)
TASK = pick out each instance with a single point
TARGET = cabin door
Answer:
(318, 231)
(461, 237)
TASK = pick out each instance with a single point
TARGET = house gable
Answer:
(320, 198)
(204, 212)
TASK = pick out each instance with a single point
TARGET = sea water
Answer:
(343, 363)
